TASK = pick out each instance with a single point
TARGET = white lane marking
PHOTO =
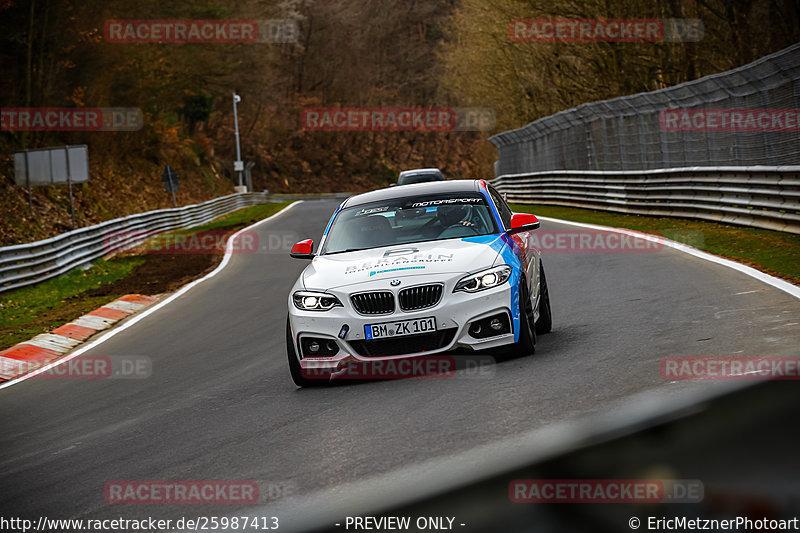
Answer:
(746, 292)
(147, 312)
(778, 283)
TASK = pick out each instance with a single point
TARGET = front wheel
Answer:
(544, 324)
(526, 344)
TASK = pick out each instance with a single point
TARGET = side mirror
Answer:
(303, 249)
(523, 222)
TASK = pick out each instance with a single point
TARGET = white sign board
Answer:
(48, 166)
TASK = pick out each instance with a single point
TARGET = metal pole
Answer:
(236, 98)
(69, 183)
(172, 187)
(28, 180)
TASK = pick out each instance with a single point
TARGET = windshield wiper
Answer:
(348, 250)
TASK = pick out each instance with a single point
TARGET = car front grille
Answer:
(404, 345)
(420, 297)
(373, 303)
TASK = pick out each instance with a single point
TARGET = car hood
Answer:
(421, 258)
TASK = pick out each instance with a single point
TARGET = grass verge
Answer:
(774, 252)
(29, 311)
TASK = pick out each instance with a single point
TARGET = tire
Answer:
(294, 364)
(527, 334)
(544, 324)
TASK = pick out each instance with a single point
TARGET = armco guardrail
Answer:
(762, 197)
(319, 196)
(26, 264)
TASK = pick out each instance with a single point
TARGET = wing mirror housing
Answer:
(303, 249)
(523, 222)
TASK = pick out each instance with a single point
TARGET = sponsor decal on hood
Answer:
(395, 259)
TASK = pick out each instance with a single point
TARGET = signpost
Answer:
(248, 177)
(170, 179)
(69, 183)
(63, 165)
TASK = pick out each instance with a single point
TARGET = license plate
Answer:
(400, 328)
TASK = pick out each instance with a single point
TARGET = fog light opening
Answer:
(318, 347)
(490, 326)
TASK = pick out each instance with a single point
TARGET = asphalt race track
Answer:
(220, 405)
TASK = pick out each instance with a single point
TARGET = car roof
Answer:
(415, 171)
(415, 189)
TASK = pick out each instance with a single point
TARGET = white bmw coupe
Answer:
(413, 271)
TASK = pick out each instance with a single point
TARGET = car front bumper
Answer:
(455, 313)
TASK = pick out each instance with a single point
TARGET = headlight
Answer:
(315, 301)
(485, 279)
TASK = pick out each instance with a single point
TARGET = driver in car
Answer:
(450, 222)
(451, 215)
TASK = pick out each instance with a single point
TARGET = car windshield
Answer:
(408, 220)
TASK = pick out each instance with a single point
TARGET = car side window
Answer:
(502, 207)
